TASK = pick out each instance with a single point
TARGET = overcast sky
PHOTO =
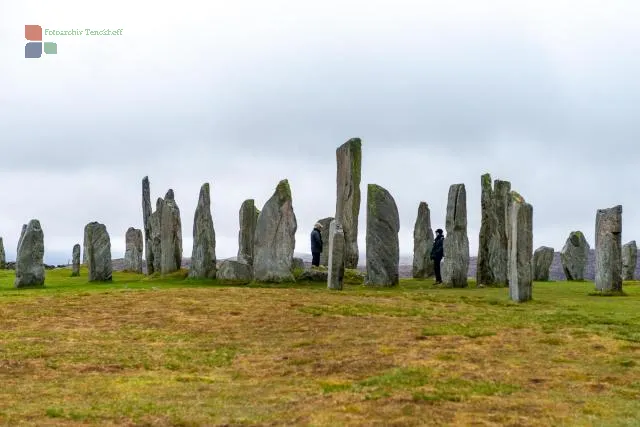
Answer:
(242, 93)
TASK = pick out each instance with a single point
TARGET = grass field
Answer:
(144, 351)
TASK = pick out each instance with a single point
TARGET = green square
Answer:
(50, 48)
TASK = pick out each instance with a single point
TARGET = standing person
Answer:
(316, 245)
(437, 253)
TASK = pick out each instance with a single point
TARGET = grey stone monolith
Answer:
(30, 256)
(542, 259)
(146, 221)
(422, 243)
(609, 249)
(75, 260)
(248, 216)
(134, 247)
(324, 234)
(335, 275)
(520, 222)
(574, 256)
(456, 243)
(3, 256)
(156, 240)
(383, 248)
(203, 255)
(170, 235)
(629, 260)
(98, 249)
(349, 167)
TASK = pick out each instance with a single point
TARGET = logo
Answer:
(36, 46)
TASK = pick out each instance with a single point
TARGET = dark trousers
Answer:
(436, 269)
(315, 258)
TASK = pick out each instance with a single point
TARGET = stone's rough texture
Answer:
(203, 255)
(609, 249)
(349, 165)
(275, 237)
(234, 271)
(492, 250)
(98, 252)
(574, 256)
(133, 250)
(170, 235)
(297, 263)
(3, 257)
(456, 244)
(248, 219)
(324, 233)
(313, 275)
(422, 243)
(383, 250)
(629, 260)
(156, 242)
(29, 258)
(542, 259)
(520, 248)
(146, 221)
(335, 275)
(84, 252)
(75, 260)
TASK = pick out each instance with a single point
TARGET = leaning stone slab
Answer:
(520, 248)
(134, 247)
(383, 250)
(609, 249)
(324, 234)
(542, 259)
(422, 243)
(349, 166)
(574, 256)
(335, 275)
(30, 256)
(203, 255)
(234, 271)
(98, 252)
(75, 263)
(456, 244)
(629, 260)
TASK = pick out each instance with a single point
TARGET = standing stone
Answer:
(422, 243)
(133, 250)
(335, 276)
(30, 256)
(98, 252)
(520, 248)
(493, 247)
(170, 235)
(574, 256)
(203, 255)
(542, 259)
(349, 165)
(456, 243)
(609, 249)
(383, 247)
(629, 260)
(3, 257)
(248, 219)
(75, 260)
(146, 221)
(84, 252)
(156, 241)
(275, 237)
(324, 234)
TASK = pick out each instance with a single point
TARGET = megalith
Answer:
(75, 260)
(383, 249)
(520, 221)
(609, 249)
(629, 260)
(146, 221)
(542, 259)
(324, 234)
(170, 235)
(335, 275)
(235, 271)
(275, 237)
(3, 256)
(422, 243)
(30, 256)
(156, 241)
(349, 167)
(98, 252)
(203, 255)
(133, 250)
(456, 243)
(574, 256)
(248, 219)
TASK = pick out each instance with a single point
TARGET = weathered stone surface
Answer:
(493, 247)
(84, 252)
(422, 243)
(324, 234)
(275, 237)
(203, 256)
(335, 275)
(383, 249)
(98, 252)
(520, 221)
(456, 242)
(170, 235)
(629, 260)
(236, 271)
(146, 221)
(75, 260)
(609, 249)
(248, 220)
(313, 275)
(349, 166)
(297, 263)
(574, 256)
(156, 241)
(3, 257)
(542, 259)
(133, 250)
(30, 256)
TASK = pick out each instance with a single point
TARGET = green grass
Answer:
(176, 351)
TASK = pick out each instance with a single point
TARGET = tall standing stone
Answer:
(133, 250)
(3, 257)
(75, 260)
(520, 248)
(84, 252)
(30, 256)
(574, 256)
(629, 260)
(383, 246)
(349, 166)
(146, 221)
(275, 237)
(98, 249)
(170, 235)
(335, 276)
(248, 219)
(456, 244)
(422, 243)
(493, 246)
(203, 255)
(609, 249)
(542, 259)
(324, 234)
(156, 241)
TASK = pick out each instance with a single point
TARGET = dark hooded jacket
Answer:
(316, 241)
(437, 252)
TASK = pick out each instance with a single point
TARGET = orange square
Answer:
(33, 33)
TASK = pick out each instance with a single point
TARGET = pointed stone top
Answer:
(516, 197)
(145, 179)
(283, 190)
(169, 195)
(485, 179)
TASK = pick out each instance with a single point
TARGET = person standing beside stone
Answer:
(437, 253)
(316, 245)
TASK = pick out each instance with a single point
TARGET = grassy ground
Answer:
(174, 352)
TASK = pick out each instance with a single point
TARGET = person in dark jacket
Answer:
(316, 245)
(437, 253)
